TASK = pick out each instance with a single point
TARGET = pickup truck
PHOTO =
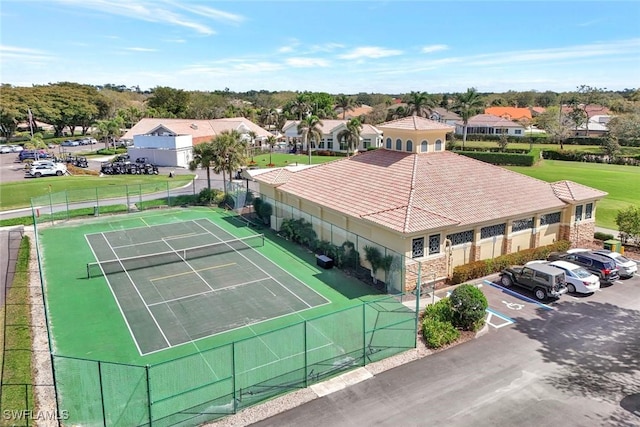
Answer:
(544, 280)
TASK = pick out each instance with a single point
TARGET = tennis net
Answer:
(102, 268)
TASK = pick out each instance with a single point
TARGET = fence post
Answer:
(140, 196)
(66, 199)
(233, 376)
(168, 195)
(26, 400)
(51, 207)
(146, 368)
(126, 190)
(104, 414)
(364, 333)
(306, 357)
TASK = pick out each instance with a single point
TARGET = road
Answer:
(569, 363)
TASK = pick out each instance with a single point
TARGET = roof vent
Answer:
(194, 126)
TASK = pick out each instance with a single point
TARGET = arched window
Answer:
(438, 145)
(409, 145)
(424, 146)
(388, 143)
(399, 144)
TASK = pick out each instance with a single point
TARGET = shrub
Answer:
(206, 196)
(227, 202)
(501, 158)
(599, 235)
(468, 304)
(437, 333)
(441, 311)
(264, 211)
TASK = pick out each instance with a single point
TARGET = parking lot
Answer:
(11, 169)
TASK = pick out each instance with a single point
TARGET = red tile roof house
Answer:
(430, 208)
(370, 136)
(521, 115)
(488, 124)
(169, 142)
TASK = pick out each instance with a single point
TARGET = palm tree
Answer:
(271, 140)
(109, 129)
(252, 146)
(203, 155)
(420, 103)
(351, 135)
(309, 129)
(346, 103)
(300, 106)
(467, 105)
(229, 153)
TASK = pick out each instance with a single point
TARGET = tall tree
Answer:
(229, 154)
(351, 135)
(203, 156)
(109, 130)
(556, 123)
(172, 101)
(467, 105)
(345, 103)
(420, 104)
(310, 128)
(271, 140)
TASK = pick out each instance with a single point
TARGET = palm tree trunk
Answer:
(209, 179)
(309, 149)
(464, 135)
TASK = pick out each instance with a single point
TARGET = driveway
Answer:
(571, 363)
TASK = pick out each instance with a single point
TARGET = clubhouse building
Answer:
(429, 208)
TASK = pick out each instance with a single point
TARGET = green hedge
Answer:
(477, 269)
(437, 333)
(511, 159)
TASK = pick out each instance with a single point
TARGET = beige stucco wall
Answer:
(416, 137)
(520, 240)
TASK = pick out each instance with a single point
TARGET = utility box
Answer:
(613, 245)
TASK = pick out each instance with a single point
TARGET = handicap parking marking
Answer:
(491, 314)
(518, 295)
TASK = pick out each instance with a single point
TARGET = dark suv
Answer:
(603, 267)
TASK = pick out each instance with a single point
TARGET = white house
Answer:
(370, 136)
(169, 142)
(488, 124)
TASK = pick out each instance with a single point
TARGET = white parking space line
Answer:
(495, 323)
(618, 281)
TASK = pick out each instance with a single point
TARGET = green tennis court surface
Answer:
(180, 282)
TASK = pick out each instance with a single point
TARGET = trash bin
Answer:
(612, 245)
(96, 211)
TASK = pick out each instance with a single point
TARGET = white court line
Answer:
(261, 269)
(207, 292)
(188, 265)
(138, 292)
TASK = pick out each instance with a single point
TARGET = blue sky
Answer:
(333, 46)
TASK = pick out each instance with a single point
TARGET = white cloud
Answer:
(434, 48)
(23, 54)
(325, 47)
(370, 52)
(209, 12)
(302, 62)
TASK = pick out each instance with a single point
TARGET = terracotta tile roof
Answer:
(415, 123)
(356, 112)
(198, 129)
(409, 193)
(570, 191)
(510, 113)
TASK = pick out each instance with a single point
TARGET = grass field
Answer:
(286, 159)
(625, 151)
(18, 194)
(621, 182)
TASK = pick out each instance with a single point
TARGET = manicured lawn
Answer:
(286, 159)
(18, 194)
(621, 182)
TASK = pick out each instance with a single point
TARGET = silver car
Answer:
(626, 267)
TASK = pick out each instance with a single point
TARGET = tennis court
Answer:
(180, 282)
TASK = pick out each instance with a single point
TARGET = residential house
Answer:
(370, 136)
(488, 124)
(428, 208)
(169, 142)
(443, 115)
(521, 115)
(595, 126)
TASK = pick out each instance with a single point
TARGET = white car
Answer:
(16, 148)
(6, 149)
(626, 267)
(46, 169)
(578, 279)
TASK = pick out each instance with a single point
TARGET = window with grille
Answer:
(389, 143)
(424, 146)
(579, 213)
(588, 213)
(492, 230)
(417, 247)
(552, 218)
(434, 244)
(409, 145)
(461, 237)
(399, 144)
(366, 143)
(522, 224)
(438, 145)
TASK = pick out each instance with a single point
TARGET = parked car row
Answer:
(41, 168)
(78, 142)
(575, 271)
(4, 149)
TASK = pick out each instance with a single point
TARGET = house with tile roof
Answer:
(488, 124)
(522, 115)
(169, 142)
(370, 136)
(443, 115)
(428, 208)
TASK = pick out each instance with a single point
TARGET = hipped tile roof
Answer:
(198, 129)
(410, 193)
